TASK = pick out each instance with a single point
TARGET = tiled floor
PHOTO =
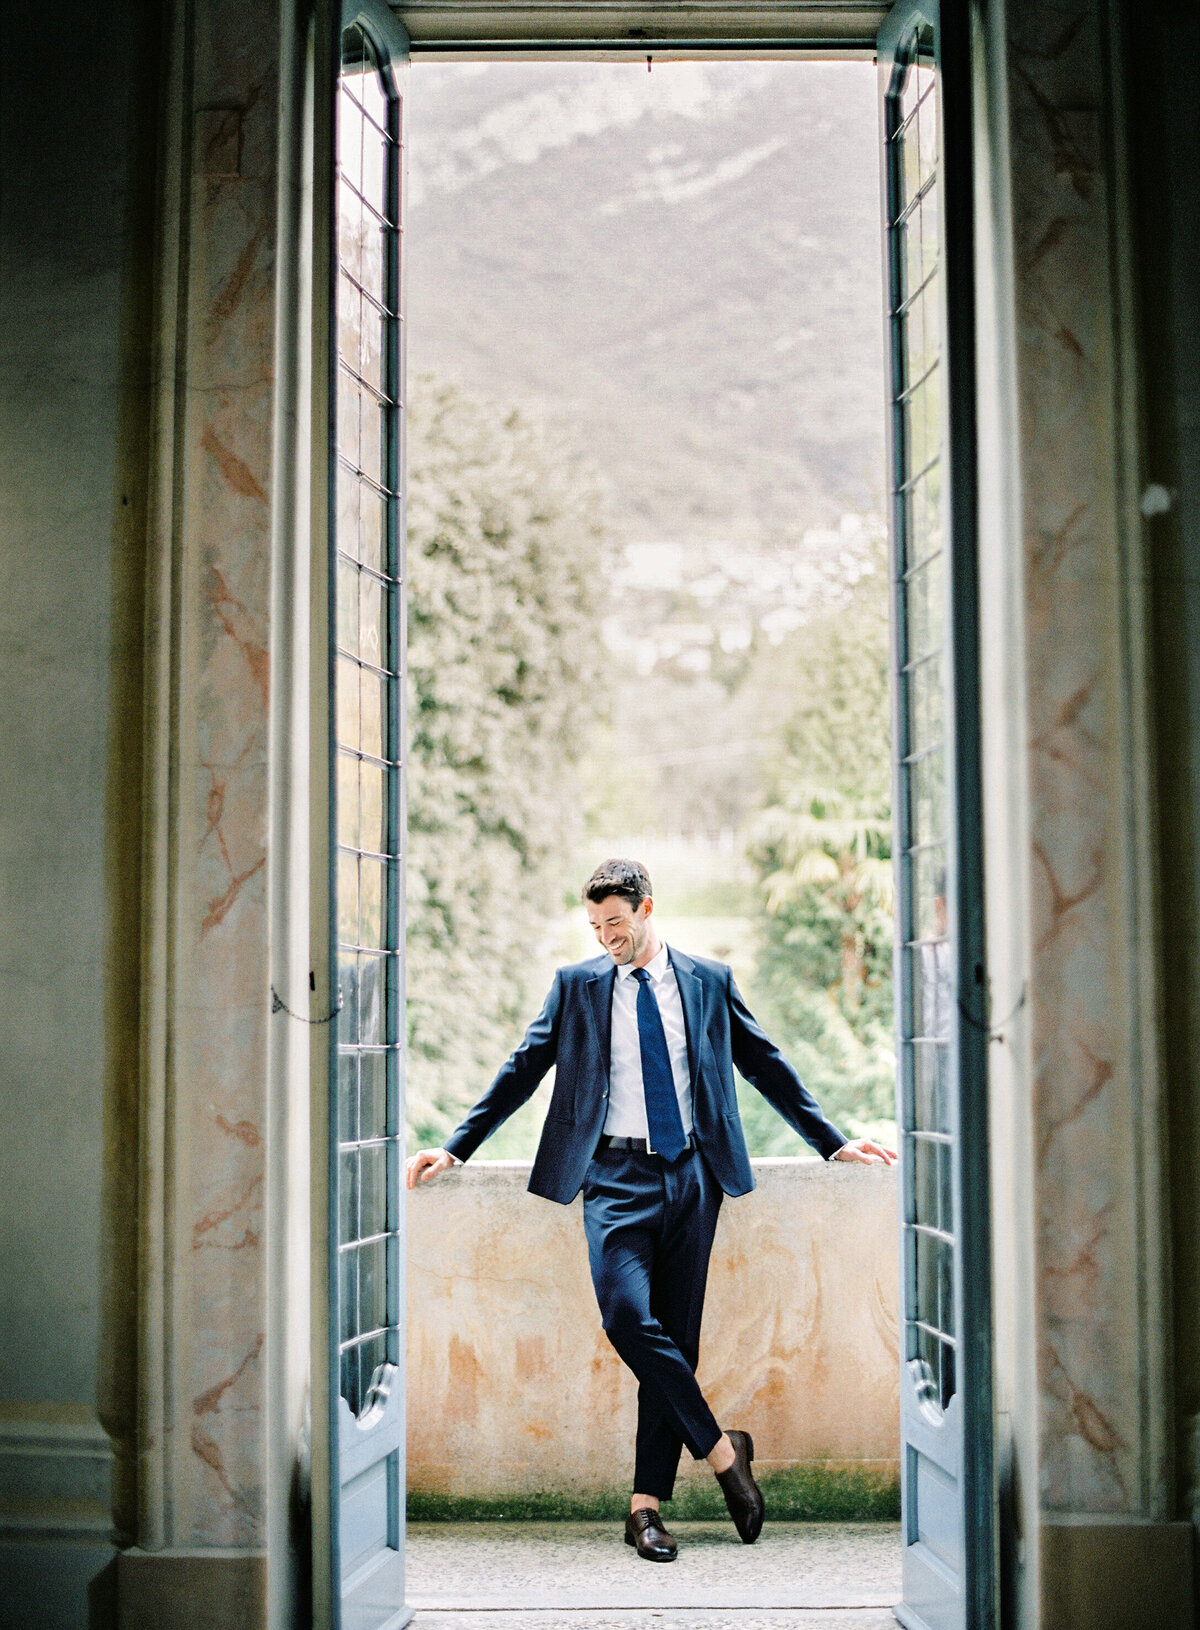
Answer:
(752, 1618)
(581, 1576)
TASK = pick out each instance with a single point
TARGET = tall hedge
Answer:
(508, 561)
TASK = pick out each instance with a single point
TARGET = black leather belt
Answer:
(639, 1146)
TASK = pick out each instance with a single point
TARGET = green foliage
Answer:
(507, 565)
(821, 848)
(812, 1492)
(509, 755)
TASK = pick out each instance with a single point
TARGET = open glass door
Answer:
(945, 1416)
(367, 1114)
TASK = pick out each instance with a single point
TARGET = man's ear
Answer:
(647, 905)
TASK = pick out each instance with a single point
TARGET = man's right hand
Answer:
(425, 1164)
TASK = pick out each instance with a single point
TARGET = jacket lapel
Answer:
(599, 989)
(690, 995)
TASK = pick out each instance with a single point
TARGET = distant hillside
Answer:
(683, 265)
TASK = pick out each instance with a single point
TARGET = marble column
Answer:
(223, 1293)
(1098, 1306)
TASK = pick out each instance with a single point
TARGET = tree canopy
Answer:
(821, 849)
(511, 747)
(507, 572)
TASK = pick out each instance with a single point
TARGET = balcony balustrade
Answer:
(514, 1393)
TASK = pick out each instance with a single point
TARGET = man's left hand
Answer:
(866, 1152)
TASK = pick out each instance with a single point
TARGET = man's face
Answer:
(622, 929)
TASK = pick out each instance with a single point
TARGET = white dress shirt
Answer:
(626, 1116)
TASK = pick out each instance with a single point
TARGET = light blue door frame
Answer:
(946, 1393)
(946, 1398)
(366, 1289)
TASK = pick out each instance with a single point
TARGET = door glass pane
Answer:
(926, 777)
(925, 589)
(928, 1007)
(373, 1095)
(930, 1076)
(368, 700)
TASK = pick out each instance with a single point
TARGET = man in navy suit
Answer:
(644, 1119)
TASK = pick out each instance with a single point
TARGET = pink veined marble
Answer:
(225, 683)
(1080, 985)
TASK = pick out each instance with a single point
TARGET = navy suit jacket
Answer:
(571, 1035)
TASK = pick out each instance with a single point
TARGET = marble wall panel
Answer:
(217, 1075)
(1083, 989)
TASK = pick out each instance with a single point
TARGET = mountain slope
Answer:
(682, 266)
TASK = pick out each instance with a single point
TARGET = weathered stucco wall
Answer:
(514, 1389)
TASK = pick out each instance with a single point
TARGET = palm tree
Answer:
(840, 848)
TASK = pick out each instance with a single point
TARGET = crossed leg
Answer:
(650, 1230)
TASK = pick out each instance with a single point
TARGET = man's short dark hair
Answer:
(627, 878)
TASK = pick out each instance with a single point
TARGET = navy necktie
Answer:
(663, 1120)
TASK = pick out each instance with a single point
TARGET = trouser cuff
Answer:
(703, 1454)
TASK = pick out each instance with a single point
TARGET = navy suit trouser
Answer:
(650, 1228)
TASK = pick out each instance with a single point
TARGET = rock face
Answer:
(685, 266)
(513, 1388)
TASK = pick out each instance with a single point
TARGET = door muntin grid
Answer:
(368, 723)
(927, 982)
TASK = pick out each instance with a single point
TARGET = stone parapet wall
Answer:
(513, 1389)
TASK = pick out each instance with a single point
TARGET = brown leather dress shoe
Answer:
(742, 1494)
(644, 1531)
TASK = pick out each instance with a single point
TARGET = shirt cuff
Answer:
(454, 1159)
